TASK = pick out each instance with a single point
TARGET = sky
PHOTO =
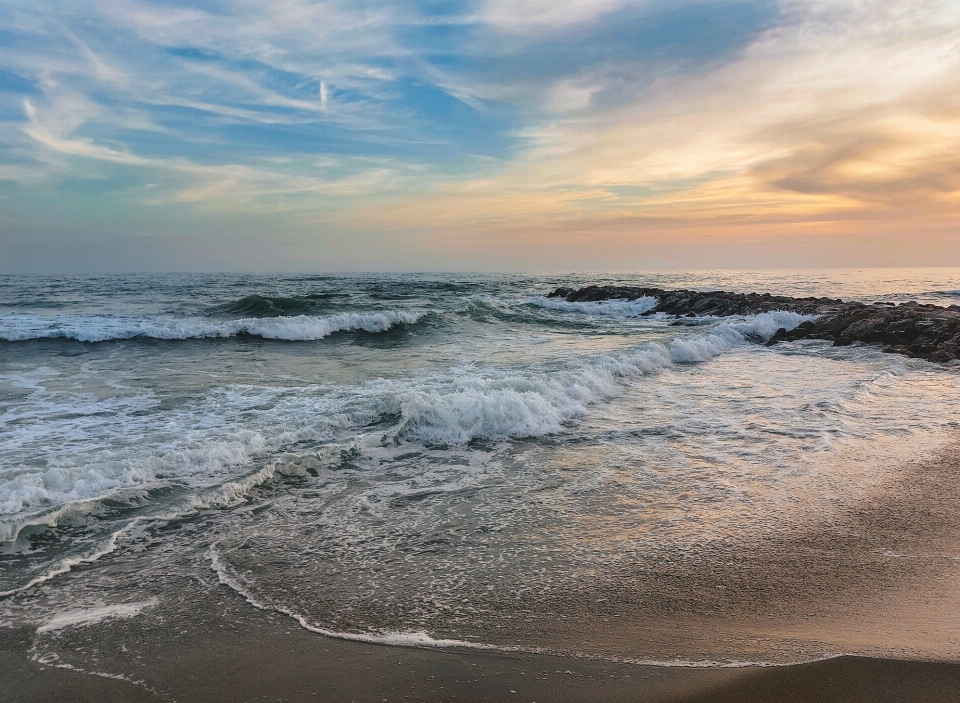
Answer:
(449, 135)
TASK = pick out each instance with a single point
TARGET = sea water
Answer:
(442, 458)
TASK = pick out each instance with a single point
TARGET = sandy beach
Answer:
(212, 645)
(243, 655)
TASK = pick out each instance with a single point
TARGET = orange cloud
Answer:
(847, 118)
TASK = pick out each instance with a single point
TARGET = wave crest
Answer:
(277, 306)
(447, 409)
(17, 327)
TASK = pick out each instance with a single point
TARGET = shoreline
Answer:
(204, 642)
(194, 655)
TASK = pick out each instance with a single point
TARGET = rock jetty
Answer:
(930, 332)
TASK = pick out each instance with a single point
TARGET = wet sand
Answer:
(263, 658)
(881, 578)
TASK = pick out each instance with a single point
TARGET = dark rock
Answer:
(780, 335)
(913, 329)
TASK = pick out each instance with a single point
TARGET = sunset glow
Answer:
(219, 135)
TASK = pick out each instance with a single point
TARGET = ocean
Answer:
(458, 460)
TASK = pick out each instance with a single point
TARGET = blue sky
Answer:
(145, 135)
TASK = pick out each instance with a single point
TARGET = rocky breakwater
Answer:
(928, 332)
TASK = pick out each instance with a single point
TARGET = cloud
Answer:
(527, 15)
(844, 108)
(545, 118)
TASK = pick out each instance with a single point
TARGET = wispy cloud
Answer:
(541, 117)
(525, 16)
(842, 107)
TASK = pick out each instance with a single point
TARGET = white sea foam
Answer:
(15, 327)
(532, 404)
(424, 639)
(685, 453)
(732, 333)
(52, 659)
(766, 324)
(90, 616)
(214, 444)
(403, 639)
(61, 485)
(481, 405)
(66, 564)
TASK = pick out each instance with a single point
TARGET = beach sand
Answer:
(881, 578)
(194, 658)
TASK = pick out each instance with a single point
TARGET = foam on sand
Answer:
(404, 639)
(90, 616)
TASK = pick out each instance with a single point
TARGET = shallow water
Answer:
(418, 458)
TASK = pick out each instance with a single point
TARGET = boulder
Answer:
(913, 329)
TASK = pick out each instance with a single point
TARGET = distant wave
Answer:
(16, 327)
(277, 306)
(611, 308)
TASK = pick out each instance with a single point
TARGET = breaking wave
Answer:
(232, 429)
(278, 306)
(493, 407)
(15, 327)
